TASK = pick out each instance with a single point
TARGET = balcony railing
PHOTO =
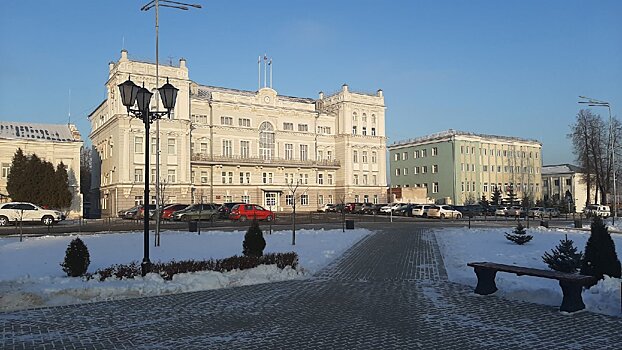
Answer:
(235, 159)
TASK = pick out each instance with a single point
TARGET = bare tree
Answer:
(293, 188)
(158, 212)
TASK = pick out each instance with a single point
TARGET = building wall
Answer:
(211, 149)
(468, 166)
(53, 152)
(556, 185)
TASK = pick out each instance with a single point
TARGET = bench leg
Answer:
(485, 281)
(572, 301)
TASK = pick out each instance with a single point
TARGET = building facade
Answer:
(564, 184)
(50, 142)
(229, 145)
(460, 167)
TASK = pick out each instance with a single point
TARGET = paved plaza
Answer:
(390, 291)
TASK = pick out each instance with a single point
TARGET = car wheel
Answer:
(242, 218)
(458, 216)
(442, 216)
(4, 221)
(47, 220)
(184, 218)
(269, 218)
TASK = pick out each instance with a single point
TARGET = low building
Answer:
(459, 167)
(54, 143)
(230, 145)
(563, 184)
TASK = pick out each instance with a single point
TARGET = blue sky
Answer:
(511, 68)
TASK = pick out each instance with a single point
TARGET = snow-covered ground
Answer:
(31, 275)
(462, 245)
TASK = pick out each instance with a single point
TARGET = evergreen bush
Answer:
(600, 253)
(564, 257)
(519, 235)
(254, 243)
(77, 258)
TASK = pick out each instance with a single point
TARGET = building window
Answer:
(289, 151)
(248, 177)
(320, 179)
(416, 170)
(364, 156)
(330, 199)
(354, 130)
(434, 151)
(354, 117)
(373, 131)
(304, 199)
(397, 172)
(373, 157)
(320, 199)
(245, 122)
(171, 176)
(303, 127)
(266, 178)
(424, 169)
(224, 120)
(203, 149)
(288, 126)
(364, 131)
(329, 155)
(138, 144)
(266, 140)
(434, 169)
(434, 187)
(424, 153)
(356, 198)
(396, 156)
(404, 155)
(364, 179)
(246, 199)
(153, 175)
(245, 149)
(224, 177)
(203, 177)
(329, 179)
(138, 200)
(304, 179)
(289, 199)
(355, 156)
(227, 148)
(172, 146)
(138, 175)
(304, 152)
(355, 179)
(374, 180)
(405, 171)
(416, 154)
(6, 168)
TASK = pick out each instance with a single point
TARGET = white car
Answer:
(390, 208)
(28, 212)
(597, 210)
(501, 211)
(421, 210)
(443, 211)
(327, 208)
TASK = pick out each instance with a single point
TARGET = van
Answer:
(597, 210)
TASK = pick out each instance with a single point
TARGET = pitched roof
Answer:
(560, 169)
(39, 132)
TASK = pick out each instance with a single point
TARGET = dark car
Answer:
(470, 210)
(225, 209)
(373, 209)
(123, 214)
(168, 210)
(204, 211)
(405, 210)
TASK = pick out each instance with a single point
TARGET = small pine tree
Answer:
(77, 258)
(519, 235)
(496, 196)
(600, 253)
(564, 257)
(254, 243)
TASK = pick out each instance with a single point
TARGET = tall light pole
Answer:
(132, 94)
(148, 6)
(597, 103)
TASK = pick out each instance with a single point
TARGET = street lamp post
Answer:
(132, 94)
(597, 103)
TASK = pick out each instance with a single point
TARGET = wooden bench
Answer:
(572, 284)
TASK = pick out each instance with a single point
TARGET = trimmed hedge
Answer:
(169, 269)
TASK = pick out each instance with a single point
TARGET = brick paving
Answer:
(389, 291)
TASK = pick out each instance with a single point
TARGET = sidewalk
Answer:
(390, 291)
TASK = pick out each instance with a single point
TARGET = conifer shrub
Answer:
(519, 235)
(254, 243)
(564, 257)
(77, 258)
(600, 253)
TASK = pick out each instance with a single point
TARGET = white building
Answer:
(51, 142)
(565, 182)
(230, 145)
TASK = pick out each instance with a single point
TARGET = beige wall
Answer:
(209, 129)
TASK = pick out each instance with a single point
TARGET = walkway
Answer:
(389, 291)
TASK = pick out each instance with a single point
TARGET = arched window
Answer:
(266, 140)
(354, 116)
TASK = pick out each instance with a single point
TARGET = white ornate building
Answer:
(229, 145)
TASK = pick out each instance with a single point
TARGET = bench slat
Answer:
(520, 270)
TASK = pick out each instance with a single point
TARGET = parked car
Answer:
(515, 210)
(597, 210)
(443, 211)
(243, 212)
(421, 210)
(28, 212)
(202, 211)
(225, 209)
(374, 209)
(405, 210)
(168, 210)
(140, 213)
(536, 212)
(501, 211)
(123, 213)
(551, 212)
(391, 208)
(327, 208)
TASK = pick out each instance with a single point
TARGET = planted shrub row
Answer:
(168, 269)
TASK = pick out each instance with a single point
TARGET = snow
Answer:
(32, 276)
(462, 245)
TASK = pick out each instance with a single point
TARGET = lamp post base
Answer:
(145, 267)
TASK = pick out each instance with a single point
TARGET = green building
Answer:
(460, 167)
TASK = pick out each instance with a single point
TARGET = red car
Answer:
(167, 212)
(244, 212)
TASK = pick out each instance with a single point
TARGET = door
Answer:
(271, 200)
